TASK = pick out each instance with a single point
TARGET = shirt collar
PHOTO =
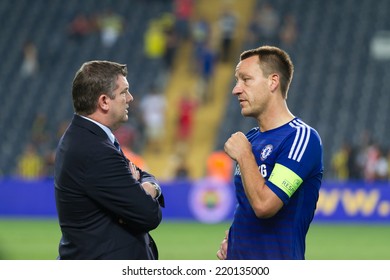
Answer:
(105, 128)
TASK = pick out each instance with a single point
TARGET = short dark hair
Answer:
(93, 79)
(273, 60)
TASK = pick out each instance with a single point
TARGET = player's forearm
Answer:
(253, 182)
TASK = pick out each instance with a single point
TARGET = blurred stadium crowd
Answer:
(341, 51)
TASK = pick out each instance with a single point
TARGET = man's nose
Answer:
(130, 97)
(237, 89)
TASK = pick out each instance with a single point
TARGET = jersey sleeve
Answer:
(299, 158)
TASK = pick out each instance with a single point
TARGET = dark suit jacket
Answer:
(104, 213)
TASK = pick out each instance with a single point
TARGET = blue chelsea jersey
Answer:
(290, 159)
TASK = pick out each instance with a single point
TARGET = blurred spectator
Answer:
(200, 33)
(61, 129)
(182, 171)
(220, 165)
(39, 133)
(388, 163)
(288, 32)
(137, 124)
(167, 22)
(49, 158)
(361, 152)
(187, 108)
(30, 164)
(354, 169)
(30, 63)
(153, 106)
(80, 27)
(227, 25)
(181, 168)
(340, 163)
(47, 150)
(376, 165)
(154, 40)
(170, 50)
(268, 25)
(207, 61)
(253, 31)
(111, 26)
(381, 166)
(371, 158)
(178, 165)
(373, 162)
(183, 11)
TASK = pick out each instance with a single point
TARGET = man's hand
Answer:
(237, 146)
(222, 252)
(150, 189)
(134, 171)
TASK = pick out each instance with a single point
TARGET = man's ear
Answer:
(103, 102)
(273, 82)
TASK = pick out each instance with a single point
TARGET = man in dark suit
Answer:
(106, 205)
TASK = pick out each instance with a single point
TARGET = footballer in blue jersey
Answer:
(279, 165)
(290, 160)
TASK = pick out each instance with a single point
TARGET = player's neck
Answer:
(274, 119)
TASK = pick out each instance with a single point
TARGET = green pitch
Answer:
(38, 239)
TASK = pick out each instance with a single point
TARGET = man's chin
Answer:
(244, 112)
(247, 113)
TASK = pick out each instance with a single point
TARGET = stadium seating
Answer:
(45, 22)
(338, 87)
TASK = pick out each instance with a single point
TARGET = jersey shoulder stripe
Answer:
(301, 140)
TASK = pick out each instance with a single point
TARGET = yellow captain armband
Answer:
(285, 179)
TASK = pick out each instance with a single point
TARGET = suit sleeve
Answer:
(147, 177)
(111, 185)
